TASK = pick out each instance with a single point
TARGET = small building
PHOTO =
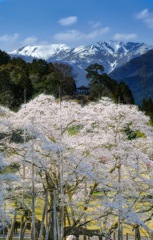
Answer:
(83, 90)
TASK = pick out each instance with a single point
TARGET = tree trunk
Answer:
(21, 227)
(150, 235)
(11, 230)
(77, 231)
(48, 229)
(137, 233)
(33, 203)
(43, 216)
(23, 230)
(54, 214)
(58, 227)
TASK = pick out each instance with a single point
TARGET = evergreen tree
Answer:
(147, 107)
(122, 93)
(13, 81)
(4, 58)
(59, 77)
(102, 85)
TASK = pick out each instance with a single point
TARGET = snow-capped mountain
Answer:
(110, 54)
(40, 51)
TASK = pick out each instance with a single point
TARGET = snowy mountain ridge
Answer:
(110, 54)
(40, 51)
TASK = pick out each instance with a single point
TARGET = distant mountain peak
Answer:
(40, 51)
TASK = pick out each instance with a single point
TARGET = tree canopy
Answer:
(147, 107)
(37, 77)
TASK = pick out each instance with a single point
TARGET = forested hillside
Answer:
(18, 77)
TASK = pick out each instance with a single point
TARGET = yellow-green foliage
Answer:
(74, 130)
(140, 135)
(151, 123)
(131, 134)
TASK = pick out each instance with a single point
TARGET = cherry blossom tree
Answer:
(106, 152)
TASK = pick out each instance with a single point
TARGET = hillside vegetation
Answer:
(21, 81)
(16, 76)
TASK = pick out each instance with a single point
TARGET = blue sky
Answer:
(74, 22)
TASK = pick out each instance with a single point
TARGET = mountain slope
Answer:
(138, 75)
(110, 54)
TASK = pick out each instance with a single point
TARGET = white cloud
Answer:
(75, 35)
(97, 32)
(149, 22)
(68, 21)
(124, 37)
(143, 14)
(95, 24)
(30, 40)
(68, 36)
(146, 17)
(9, 38)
